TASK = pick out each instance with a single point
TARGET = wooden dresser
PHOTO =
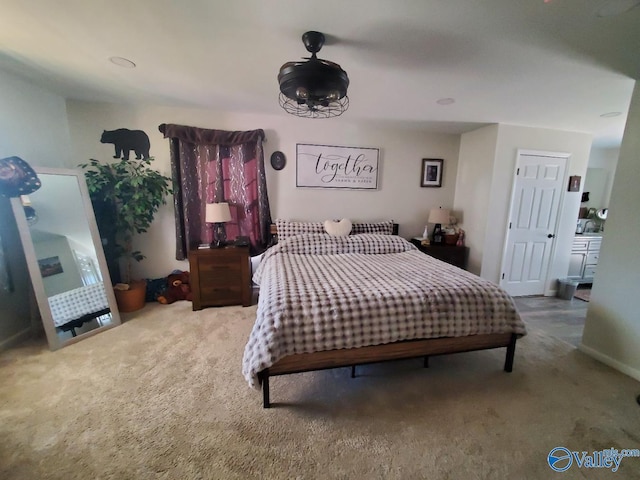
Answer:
(452, 254)
(220, 276)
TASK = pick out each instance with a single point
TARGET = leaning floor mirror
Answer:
(65, 258)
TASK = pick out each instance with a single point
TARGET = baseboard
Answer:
(15, 339)
(613, 363)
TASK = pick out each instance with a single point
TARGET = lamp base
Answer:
(438, 235)
(219, 236)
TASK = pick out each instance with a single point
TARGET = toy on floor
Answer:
(178, 288)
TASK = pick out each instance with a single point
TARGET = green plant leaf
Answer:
(135, 190)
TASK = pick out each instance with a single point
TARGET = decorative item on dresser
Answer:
(220, 276)
(451, 254)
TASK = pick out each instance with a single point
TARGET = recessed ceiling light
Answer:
(611, 114)
(122, 62)
(616, 7)
(446, 101)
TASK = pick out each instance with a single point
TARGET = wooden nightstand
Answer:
(452, 254)
(220, 276)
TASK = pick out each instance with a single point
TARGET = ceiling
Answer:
(556, 64)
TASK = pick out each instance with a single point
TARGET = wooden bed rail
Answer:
(305, 362)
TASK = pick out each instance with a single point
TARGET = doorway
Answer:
(533, 217)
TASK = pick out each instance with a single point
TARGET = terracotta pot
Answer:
(132, 299)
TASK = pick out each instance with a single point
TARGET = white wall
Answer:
(471, 204)
(595, 182)
(58, 246)
(483, 191)
(604, 158)
(612, 329)
(33, 123)
(510, 139)
(399, 196)
(33, 126)
(607, 160)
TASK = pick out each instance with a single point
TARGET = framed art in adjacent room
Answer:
(574, 184)
(431, 172)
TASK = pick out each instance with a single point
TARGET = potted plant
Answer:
(126, 196)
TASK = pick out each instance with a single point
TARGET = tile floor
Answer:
(563, 319)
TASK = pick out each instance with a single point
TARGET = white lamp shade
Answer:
(439, 215)
(217, 213)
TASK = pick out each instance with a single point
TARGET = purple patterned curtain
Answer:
(210, 166)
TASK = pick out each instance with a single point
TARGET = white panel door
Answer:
(532, 223)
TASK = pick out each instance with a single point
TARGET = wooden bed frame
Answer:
(351, 357)
(305, 362)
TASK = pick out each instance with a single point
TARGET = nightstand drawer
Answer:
(221, 294)
(222, 269)
(218, 261)
(214, 279)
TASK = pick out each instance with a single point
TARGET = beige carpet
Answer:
(162, 397)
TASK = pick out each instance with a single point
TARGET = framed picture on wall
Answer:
(574, 184)
(431, 172)
(50, 266)
(334, 166)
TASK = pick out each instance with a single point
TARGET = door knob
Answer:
(551, 235)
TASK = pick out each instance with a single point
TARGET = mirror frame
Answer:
(34, 270)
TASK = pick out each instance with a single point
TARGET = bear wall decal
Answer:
(125, 140)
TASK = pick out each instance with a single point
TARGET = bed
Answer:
(72, 309)
(328, 302)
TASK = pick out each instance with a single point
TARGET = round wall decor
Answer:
(278, 160)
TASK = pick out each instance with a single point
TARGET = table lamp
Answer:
(218, 214)
(438, 216)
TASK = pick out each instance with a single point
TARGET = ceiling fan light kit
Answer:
(315, 88)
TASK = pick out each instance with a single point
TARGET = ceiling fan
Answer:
(315, 88)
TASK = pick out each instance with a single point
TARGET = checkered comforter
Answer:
(78, 302)
(322, 293)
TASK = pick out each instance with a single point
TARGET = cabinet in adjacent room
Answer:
(584, 258)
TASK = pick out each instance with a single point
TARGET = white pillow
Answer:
(286, 229)
(338, 229)
(255, 263)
